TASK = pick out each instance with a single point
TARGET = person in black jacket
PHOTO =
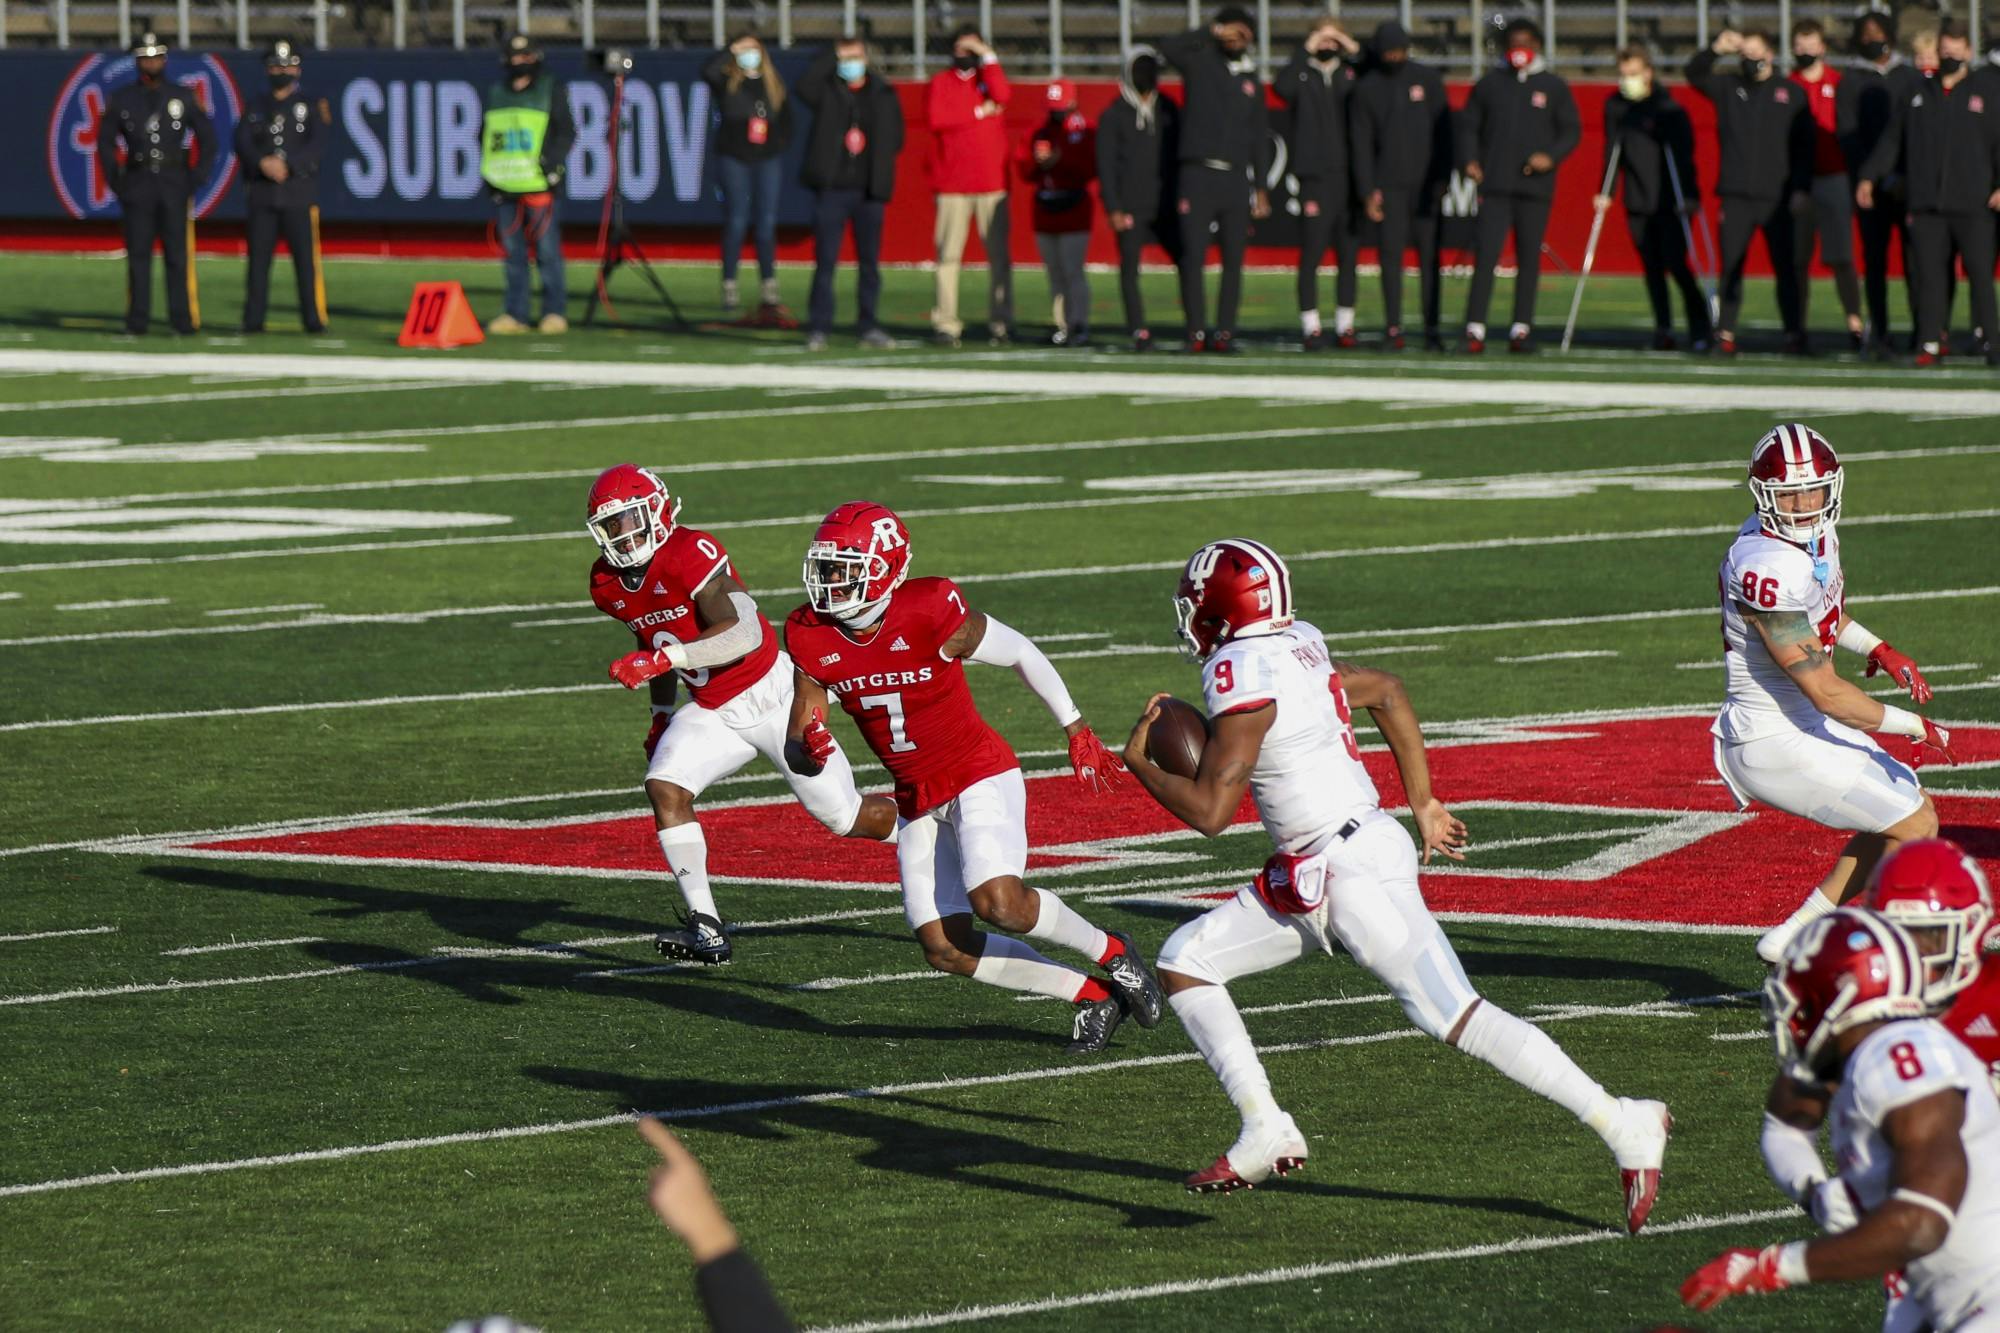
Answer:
(278, 145)
(1950, 132)
(1655, 142)
(1764, 132)
(1517, 127)
(750, 148)
(1138, 156)
(1318, 84)
(1225, 157)
(155, 178)
(1402, 139)
(851, 165)
(735, 1294)
(1866, 106)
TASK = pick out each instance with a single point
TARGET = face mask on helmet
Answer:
(851, 586)
(633, 521)
(1796, 483)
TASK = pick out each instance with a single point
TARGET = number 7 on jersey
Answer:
(899, 740)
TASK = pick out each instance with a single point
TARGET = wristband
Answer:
(1858, 640)
(1901, 722)
(1792, 1264)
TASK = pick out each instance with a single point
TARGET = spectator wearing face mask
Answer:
(1402, 138)
(1655, 143)
(965, 106)
(1059, 157)
(1873, 88)
(851, 168)
(1517, 127)
(1830, 219)
(1138, 158)
(1318, 85)
(750, 148)
(1765, 137)
(1225, 159)
(1950, 155)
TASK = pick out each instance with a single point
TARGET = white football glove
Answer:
(1832, 1204)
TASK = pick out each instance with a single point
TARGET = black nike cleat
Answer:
(1136, 982)
(699, 940)
(1096, 1020)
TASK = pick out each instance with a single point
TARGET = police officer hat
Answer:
(149, 44)
(518, 45)
(282, 53)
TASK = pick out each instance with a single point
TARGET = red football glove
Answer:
(1902, 670)
(659, 728)
(817, 739)
(1733, 1273)
(1936, 739)
(635, 669)
(1096, 767)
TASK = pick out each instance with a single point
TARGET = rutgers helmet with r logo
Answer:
(1230, 588)
(1931, 885)
(859, 556)
(630, 515)
(1795, 460)
(1845, 969)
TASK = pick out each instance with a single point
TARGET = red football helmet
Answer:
(1845, 969)
(1230, 588)
(630, 515)
(1937, 893)
(1795, 460)
(859, 556)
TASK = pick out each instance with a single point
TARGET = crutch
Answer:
(1687, 234)
(1590, 250)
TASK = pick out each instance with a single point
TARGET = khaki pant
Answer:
(956, 215)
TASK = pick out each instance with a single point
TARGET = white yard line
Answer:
(192, 949)
(116, 604)
(285, 393)
(873, 978)
(265, 610)
(684, 1115)
(1574, 655)
(57, 934)
(155, 987)
(385, 701)
(973, 1314)
(1739, 1036)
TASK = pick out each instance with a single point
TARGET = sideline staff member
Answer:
(277, 142)
(154, 180)
(524, 149)
(1655, 141)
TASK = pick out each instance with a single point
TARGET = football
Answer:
(1178, 737)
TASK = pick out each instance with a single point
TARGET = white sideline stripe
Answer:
(718, 1109)
(56, 934)
(325, 705)
(1559, 657)
(1297, 1273)
(192, 949)
(115, 604)
(1737, 1036)
(265, 610)
(150, 987)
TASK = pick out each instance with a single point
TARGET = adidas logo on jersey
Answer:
(659, 590)
(1982, 1026)
(829, 659)
(899, 646)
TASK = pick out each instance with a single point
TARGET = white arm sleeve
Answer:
(1001, 646)
(1792, 1158)
(733, 644)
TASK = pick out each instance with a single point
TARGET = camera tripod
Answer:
(615, 245)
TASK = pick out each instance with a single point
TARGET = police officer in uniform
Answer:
(278, 143)
(155, 178)
(524, 141)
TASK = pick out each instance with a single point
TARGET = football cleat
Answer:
(1930, 354)
(1639, 1143)
(1347, 341)
(1472, 346)
(1135, 982)
(699, 940)
(1095, 1021)
(1268, 1148)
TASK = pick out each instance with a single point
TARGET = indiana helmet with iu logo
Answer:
(1230, 588)
(630, 515)
(1795, 478)
(859, 556)
(1937, 893)
(1845, 969)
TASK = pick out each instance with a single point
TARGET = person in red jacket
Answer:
(1060, 157)
(1831, 214)
(966, 106)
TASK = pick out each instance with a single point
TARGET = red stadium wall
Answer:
(908, 236)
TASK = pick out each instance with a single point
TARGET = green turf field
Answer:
(281, 595)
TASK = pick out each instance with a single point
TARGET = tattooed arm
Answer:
(1795, 646)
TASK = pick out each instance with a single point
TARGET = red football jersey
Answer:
(1974, 1018)
(659, 608)
(912, 703)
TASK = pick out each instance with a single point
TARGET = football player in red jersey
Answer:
(893, 653)
(674, 588)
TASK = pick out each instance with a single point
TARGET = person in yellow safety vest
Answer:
(525, 140)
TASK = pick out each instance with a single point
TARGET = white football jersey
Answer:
(1895, 1065)
(1767, 573)
(1308, 780)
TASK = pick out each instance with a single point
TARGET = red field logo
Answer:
(1684, 855)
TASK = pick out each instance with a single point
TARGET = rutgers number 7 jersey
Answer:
(1308, 779)
(1766, 573)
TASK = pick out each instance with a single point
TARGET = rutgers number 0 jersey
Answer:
(660, 610)
(1766, 573)
(1308, 780)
